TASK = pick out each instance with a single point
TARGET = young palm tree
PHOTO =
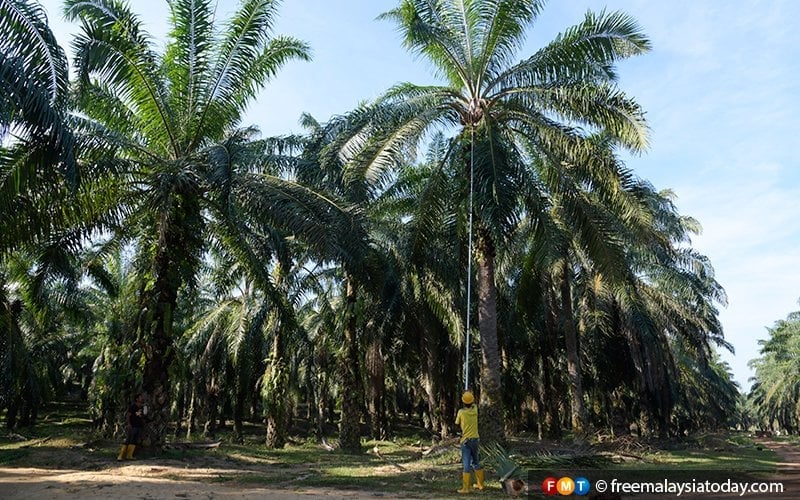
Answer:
(156, 140)
(506, 114)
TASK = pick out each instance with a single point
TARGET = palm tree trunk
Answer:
(550, 382)
(321, 396)
(210, 410)
(321, 389)
(181, 411)
(440, 378)
(171, 264)
(491, 405)
(573, 356)
(276, 385)
(321, 412)
(238, 417)
(350, 420)
(450, 368)
(377, 389)
(158, 349)
(431, 377)
(190, 419)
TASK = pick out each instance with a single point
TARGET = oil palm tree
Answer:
(662, 308)
(35, 138)
(506, 113)
(153, 139)
(33, 75)
(331, 164)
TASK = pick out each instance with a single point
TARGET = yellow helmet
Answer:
(467, 398)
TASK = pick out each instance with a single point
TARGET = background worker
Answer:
(467, 419)
(134, 421)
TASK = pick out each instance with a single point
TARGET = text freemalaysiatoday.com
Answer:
(652, 483)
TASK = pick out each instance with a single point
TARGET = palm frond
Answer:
(34, 76)
(188, 58)
(502, 31)
(246, 59)
(114, 49)
(27, 38)
(436, 31)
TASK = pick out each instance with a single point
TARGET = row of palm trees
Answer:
(775, 394)
(230, 276)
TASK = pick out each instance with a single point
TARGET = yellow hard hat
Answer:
(467, 398)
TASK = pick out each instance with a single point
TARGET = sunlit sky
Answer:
(720, 90)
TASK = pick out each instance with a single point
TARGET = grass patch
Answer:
(9, 456)
(734, 451)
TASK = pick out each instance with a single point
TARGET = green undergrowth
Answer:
(731, 451)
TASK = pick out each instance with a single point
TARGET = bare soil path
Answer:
(155, 479)
(788, 469)
(129, 482)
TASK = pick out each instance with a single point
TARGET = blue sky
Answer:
(719, 88)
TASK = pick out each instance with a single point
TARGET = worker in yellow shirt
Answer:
(467, 419)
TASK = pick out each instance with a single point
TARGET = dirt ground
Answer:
(72, 475)
(788, 469)
(787, 474)
(133, 481)
(75, 476)
(148, 482)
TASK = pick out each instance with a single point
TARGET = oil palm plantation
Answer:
(224, 346)
(38, 181)
(507, 113)
(159, 144)
(42, 329)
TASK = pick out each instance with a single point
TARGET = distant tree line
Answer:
(774, 399)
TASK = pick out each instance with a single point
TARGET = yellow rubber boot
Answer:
(479, 478)
(122, 451)
(466, 482)
(131, 447)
